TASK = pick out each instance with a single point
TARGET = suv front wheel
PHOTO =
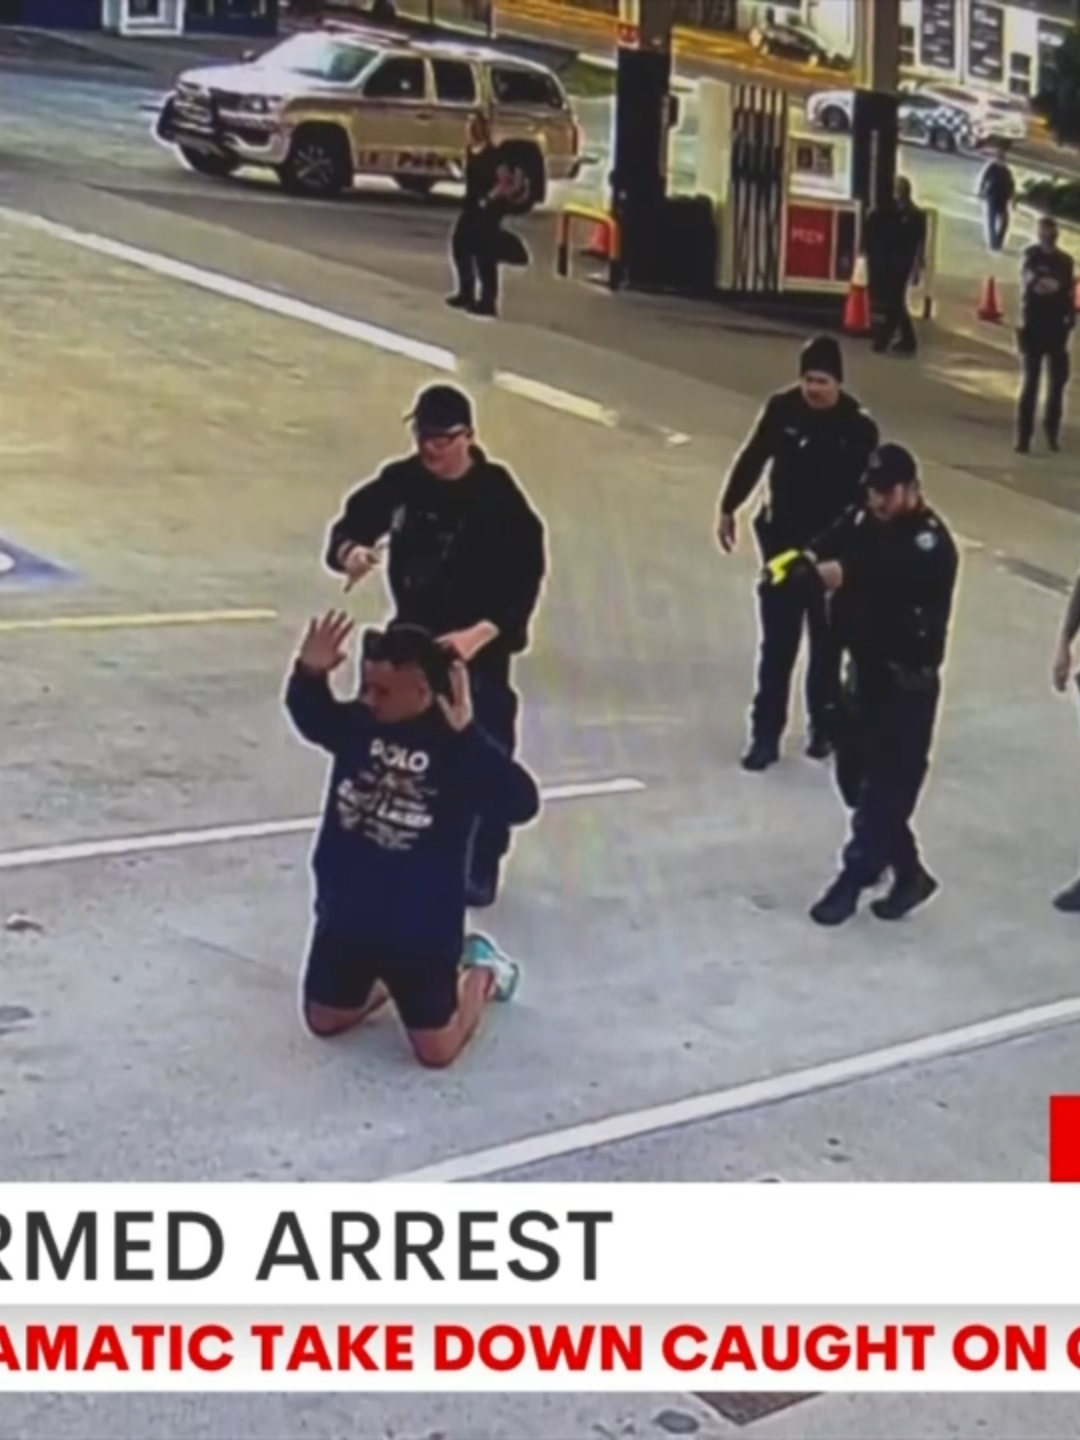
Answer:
(319, 163)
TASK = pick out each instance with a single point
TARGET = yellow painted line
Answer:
(153, 620)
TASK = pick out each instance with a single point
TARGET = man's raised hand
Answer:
(325, 645)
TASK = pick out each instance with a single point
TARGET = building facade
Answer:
(218, 17)
(1005, 45)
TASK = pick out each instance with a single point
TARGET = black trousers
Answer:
(1035, 356)
(496, 708)
(785, 613)
(891, 317)
(474, 252)
(997, 227)
(883, 742)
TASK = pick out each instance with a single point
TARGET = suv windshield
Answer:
(320, 57)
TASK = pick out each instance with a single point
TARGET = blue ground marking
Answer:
(20, 567)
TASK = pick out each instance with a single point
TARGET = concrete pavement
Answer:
(179, 451)
(94, 129)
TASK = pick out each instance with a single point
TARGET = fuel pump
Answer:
(645, 113)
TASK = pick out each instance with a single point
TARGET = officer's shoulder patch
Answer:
(926, 540)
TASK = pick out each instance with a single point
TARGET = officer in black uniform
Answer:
(816, 439)
(894, 242)
(494, 190)
(1064, 677)
(891, 569)
(466, 559)
(1047, 318)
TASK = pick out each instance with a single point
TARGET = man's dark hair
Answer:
(410, 645)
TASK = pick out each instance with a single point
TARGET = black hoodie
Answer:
(401, 805)
(816, 460)
(461, 551)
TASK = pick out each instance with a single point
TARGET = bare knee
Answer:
(324, 1024)
(437, 1049)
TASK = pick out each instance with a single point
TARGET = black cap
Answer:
(891, 465)
(822, 356)
(439, 409)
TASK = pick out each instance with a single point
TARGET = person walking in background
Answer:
(997, 191)
(894, 243)
(815, 439)
(1047, 319)
(492, 190)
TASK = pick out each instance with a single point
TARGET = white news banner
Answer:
(530, 1287)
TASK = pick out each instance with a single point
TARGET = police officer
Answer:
(891, 569)
(466, 559)
(478, 243)
(1062, 675)
(894, 242)
(1047, 317)
(816, 440)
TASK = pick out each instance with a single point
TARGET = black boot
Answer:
(1068, 901)
(839, 902)
(819, 746)
(761, 755)
(908, 892)
(459, 301)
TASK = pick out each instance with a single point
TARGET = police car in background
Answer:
(943, 117)
(331, 104)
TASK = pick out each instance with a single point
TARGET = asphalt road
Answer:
(175, 450)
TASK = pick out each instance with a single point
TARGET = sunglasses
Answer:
(439, 437)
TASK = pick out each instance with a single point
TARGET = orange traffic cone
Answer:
(598, 246)
(857, 319)
(990, 305)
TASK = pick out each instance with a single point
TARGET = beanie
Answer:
(822, 356)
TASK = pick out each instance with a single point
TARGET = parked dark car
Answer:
(792, 41)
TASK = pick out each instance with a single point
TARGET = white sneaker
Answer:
(481, 953)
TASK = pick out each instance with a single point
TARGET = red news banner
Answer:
(538, 1287)
(230, 1352)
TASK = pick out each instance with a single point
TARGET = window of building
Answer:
(907, 46)
(1020, 74)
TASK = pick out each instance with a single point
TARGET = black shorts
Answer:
(342, 971)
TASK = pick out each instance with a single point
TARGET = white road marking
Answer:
(556, 1144)
(556, 399)
(270, 301)
(289, 308)
(42, 855)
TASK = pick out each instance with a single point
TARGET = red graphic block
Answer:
(1065, 1139)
